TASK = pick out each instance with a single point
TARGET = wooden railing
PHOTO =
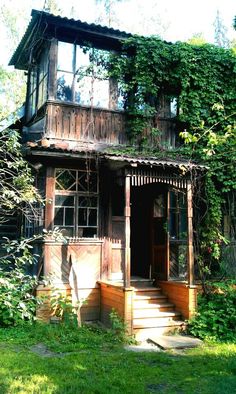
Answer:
(72, 122)
(76, 123)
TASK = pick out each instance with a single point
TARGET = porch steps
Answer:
(152, 312)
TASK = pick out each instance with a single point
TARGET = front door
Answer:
(159, 236)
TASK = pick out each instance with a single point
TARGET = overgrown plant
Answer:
(216, 317)
(17, 288)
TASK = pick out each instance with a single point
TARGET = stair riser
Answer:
(154, 322)
(150, 303)
(147, 293)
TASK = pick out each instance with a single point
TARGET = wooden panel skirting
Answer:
(116, 297)
(183, 296)
(90, 297)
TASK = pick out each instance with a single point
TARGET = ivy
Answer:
(202, 79)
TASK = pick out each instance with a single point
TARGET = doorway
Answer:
(149, 231)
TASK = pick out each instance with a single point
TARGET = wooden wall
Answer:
(182, 296)
(121, 300)
(71, 122)
(74, 269)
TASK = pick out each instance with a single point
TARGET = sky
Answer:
(173, 20)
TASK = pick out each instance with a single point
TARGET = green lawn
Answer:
(95, 362)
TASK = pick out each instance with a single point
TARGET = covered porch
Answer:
(151, 245)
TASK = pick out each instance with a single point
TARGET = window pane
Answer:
(82, 220)
(64, 86)
(89, 232)
(58, 218)
(87, 182)
(64, 201)
(88, 201)
(92, 217)
(67, 231)
(65, 179)
(65, 56)
(69, 216)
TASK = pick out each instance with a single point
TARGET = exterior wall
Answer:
(74, 270)
(116, 297)
(182, 296)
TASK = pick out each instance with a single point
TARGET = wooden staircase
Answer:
(153, 314)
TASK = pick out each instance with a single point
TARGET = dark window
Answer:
(76, 202)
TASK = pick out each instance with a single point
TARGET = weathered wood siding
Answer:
(117, 298)
(76, 123)
(184, 297)
(76, 267)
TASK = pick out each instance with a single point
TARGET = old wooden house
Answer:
(126, 219)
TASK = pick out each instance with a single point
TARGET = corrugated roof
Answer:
(63, 148)
(40, 17)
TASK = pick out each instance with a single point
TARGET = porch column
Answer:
(127, 233)
(190, 233)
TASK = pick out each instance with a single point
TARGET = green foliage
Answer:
(63, 308)
(216, 317)
(17, 299)
(119, 328)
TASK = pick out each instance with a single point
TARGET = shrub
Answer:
(216, 317)
(17, 299)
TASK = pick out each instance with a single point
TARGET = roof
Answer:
(63, 149)
(45, 26)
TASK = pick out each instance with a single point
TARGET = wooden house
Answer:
(126, 219)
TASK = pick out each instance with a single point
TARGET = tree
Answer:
(221, 39)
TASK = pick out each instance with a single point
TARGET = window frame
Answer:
(77, 228)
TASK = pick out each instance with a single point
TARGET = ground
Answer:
(60, 360)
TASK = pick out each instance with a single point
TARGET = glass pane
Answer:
(173, 200)
(173, 224)
(65, 56)
(178, 261)
(89, 232)
(101, 93)
(82, 58)
(65, 179)
(64, 86)
(67, 231)
(183, 224)
(88, 201)
(58, 218)
(63, 201)
(92, 217)
(69, 216)
(82, 219)
(83, 89)
(159, 207)
(87, 181)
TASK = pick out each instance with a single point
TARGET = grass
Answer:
(96, 362)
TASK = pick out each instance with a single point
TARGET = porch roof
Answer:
(178, 163)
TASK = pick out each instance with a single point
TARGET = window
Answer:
(81, 76)
(38, 85)
(76, 202)
(178, 235)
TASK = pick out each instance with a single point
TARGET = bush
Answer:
(216, 317)
(17, 300)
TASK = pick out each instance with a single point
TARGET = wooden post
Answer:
(49, 206)
(127, 233)
(190, 234)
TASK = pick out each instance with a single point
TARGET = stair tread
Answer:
(150, 288)
(162, 314)
(149, 297)
(153, 324)
(153, 306)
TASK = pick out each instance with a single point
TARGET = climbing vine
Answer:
(201, 82)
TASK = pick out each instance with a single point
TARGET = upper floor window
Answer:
(37, 85)
(81, 76)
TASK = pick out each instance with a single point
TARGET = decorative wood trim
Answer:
(145, 177)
